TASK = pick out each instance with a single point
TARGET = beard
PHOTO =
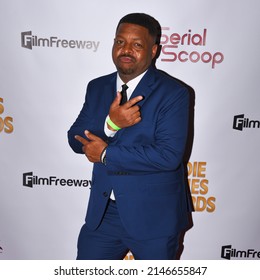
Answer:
(125, 71)
(123, 68)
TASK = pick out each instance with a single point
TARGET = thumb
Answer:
(117, 100)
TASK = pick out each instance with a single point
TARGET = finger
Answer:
(91, 136)
(134, 109)
(133, 101)
(117, 100)
(136, 115)
(137, 120)
(81, 139)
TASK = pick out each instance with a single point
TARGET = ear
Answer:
(154, 50)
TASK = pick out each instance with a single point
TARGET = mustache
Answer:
(126, 55)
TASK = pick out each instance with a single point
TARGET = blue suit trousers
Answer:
(110, 241)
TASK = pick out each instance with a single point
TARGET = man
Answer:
(138, 198)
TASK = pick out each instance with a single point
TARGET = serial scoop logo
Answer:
(227, 252)
(240, 122)
(172, 41)
(28, 41)
(30, 180)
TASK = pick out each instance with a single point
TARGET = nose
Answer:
(127, 49)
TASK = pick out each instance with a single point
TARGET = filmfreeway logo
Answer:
(30, 180)
(240, 122)
(28, 41)
(227, 252)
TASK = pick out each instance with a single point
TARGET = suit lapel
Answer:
(110, 91)
(145, 86)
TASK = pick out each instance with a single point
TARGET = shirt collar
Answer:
(131, 84)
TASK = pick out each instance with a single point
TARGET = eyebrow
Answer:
(135, 39)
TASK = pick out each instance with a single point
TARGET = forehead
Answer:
(129, 29)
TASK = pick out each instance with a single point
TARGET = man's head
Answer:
(135, 45)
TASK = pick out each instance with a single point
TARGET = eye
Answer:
(119, 42)
(138, 45)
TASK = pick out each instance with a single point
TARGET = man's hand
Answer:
(93, 147)
(125, 115)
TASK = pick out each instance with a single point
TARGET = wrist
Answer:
(112, 125)
(111, 128)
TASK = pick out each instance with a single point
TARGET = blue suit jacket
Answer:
(144, 162)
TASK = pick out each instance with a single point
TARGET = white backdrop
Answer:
(44, 186)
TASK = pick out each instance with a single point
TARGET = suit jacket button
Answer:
(105, 194)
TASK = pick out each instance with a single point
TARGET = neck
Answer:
(125, 77)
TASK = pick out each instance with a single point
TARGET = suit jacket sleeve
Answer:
(90, 118)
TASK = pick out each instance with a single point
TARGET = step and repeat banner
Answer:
(51, 49)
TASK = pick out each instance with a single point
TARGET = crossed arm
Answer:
(122, 115)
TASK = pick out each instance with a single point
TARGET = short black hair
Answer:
(147, 21)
